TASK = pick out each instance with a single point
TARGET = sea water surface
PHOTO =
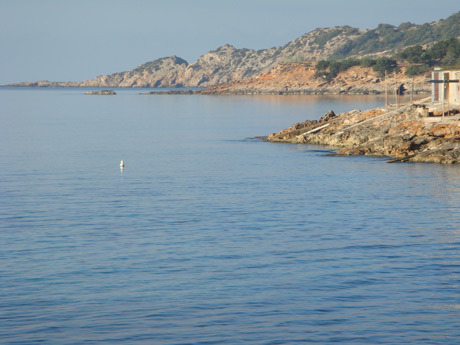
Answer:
(208, 237)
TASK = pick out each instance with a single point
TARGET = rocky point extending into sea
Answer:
(418, 132)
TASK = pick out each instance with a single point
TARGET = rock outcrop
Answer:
(409, 133)
(164, 72)
(100, 92)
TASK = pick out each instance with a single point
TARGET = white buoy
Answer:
(122, 165)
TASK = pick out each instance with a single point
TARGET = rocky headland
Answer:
(409, 133)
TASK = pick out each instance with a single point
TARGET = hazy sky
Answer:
(79, 39)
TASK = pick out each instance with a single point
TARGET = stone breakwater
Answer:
(409, 133)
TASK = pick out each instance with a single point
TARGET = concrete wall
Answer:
(449, 92)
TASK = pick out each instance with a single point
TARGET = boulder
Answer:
(326, 117)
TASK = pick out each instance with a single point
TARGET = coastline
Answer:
(286, 79)
(301, 92)
(417, 132)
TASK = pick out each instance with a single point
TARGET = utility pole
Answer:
(443, 93)
(386, 89)
(412, 92)
(448, 105)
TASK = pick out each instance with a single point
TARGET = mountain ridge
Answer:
(229, 64)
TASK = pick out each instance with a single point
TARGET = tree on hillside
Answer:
(385, 64)
(443, 53)
(412, 54)
(452, 56)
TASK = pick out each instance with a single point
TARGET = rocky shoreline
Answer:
(302, 91)
(300, 79)
(285, 79)
(170, 92)
(410, 133)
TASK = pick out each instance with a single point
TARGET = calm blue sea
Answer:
(208, 237)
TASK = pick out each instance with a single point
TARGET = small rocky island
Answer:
(100, 92)
(420, 132)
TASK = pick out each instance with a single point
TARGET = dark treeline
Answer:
(443, 53)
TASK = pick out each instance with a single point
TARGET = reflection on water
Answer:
(206, 237)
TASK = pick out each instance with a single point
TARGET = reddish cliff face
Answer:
(298, 78)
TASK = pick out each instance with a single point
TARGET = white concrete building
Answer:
(445, 86)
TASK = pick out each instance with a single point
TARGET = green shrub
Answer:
(412, 54)
(385, 64)
(367, 62)
(322, 65)
(417, 70)
(324, 37)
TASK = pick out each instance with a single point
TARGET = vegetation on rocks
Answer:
(390, 38)
(442, 53)
(420, 60)
(330, 69)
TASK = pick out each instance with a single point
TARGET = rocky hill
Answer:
(228, 64)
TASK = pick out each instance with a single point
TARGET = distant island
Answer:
(336, 60)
